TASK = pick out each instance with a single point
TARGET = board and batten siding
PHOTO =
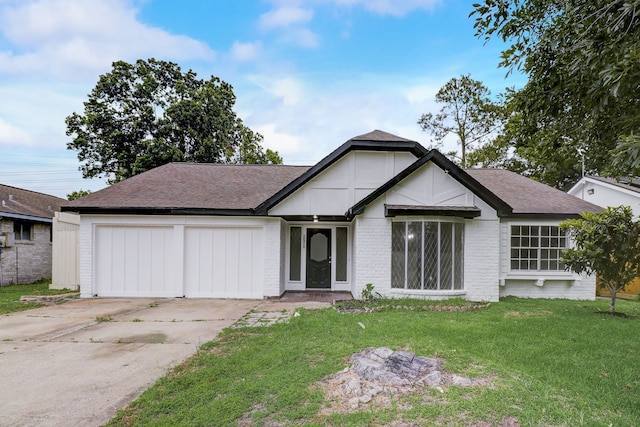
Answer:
(65, 267)
(344, 183)
(135, 261)
(176, 256)
(223, 262)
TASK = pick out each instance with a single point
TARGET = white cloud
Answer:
(243, 52)
(421, 93)
(327, 114)
(288, 90)
(73, 39)
(391, 7)
(285, 16)
(13, 135)
(303, 37)
(281, 142)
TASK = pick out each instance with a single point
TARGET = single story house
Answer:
(25, 234)
(606, 191)
(380, 209)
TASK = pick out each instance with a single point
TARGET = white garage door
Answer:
(135, 262)
(222, 262)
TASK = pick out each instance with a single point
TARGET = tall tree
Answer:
(606, 243)
(468, 113)
(582, 60)
(146, 114)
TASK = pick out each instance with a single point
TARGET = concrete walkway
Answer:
(79, 362)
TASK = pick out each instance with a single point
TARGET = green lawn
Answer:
(554, 363)
(10, 295)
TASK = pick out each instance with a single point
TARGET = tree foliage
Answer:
(146, 114)
(77, 194)
(582, 60)
(468, 113)
(606, 243)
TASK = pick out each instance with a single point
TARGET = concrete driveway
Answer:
(79, 362)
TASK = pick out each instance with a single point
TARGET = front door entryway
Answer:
(319, 258)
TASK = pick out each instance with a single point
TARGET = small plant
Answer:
(369, 294)
(101, 319)
(137, 319)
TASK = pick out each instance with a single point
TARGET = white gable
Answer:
(605, 194)
(430, 186)
(344, 183)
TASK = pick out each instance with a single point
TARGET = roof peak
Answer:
(380, 136)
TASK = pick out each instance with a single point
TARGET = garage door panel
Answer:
(223, 262)
(134, 261)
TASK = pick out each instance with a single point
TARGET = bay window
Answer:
(427, 255)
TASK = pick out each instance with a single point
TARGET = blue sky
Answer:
(308, 74)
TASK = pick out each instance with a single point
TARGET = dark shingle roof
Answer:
(631, 184)
(380, 136)
(25, 203)
(526, 196)
(194, 186)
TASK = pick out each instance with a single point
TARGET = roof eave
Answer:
(542, 215)
(24, 217)
(96, 210)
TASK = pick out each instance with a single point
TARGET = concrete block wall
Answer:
(27, 261)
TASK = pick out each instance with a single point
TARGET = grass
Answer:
(10, 295)
(554, 362)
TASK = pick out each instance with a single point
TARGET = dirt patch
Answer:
(358, 306)
(378, 375)
(527, 313)
(50, 299)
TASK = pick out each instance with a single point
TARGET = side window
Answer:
(295, 250)
(22, 230)
(537, 247)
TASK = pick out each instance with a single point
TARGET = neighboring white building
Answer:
(380, 209)
(611, 192)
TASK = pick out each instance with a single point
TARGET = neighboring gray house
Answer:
(25, 234)
(380, 209)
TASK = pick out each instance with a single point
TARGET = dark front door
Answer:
(319, 258)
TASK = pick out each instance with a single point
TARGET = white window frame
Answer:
(300, 285)
(538, 249)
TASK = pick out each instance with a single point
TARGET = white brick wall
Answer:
(525, 284)
(481, 259)
(584, 288)
(372, 255)
(274, 240)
